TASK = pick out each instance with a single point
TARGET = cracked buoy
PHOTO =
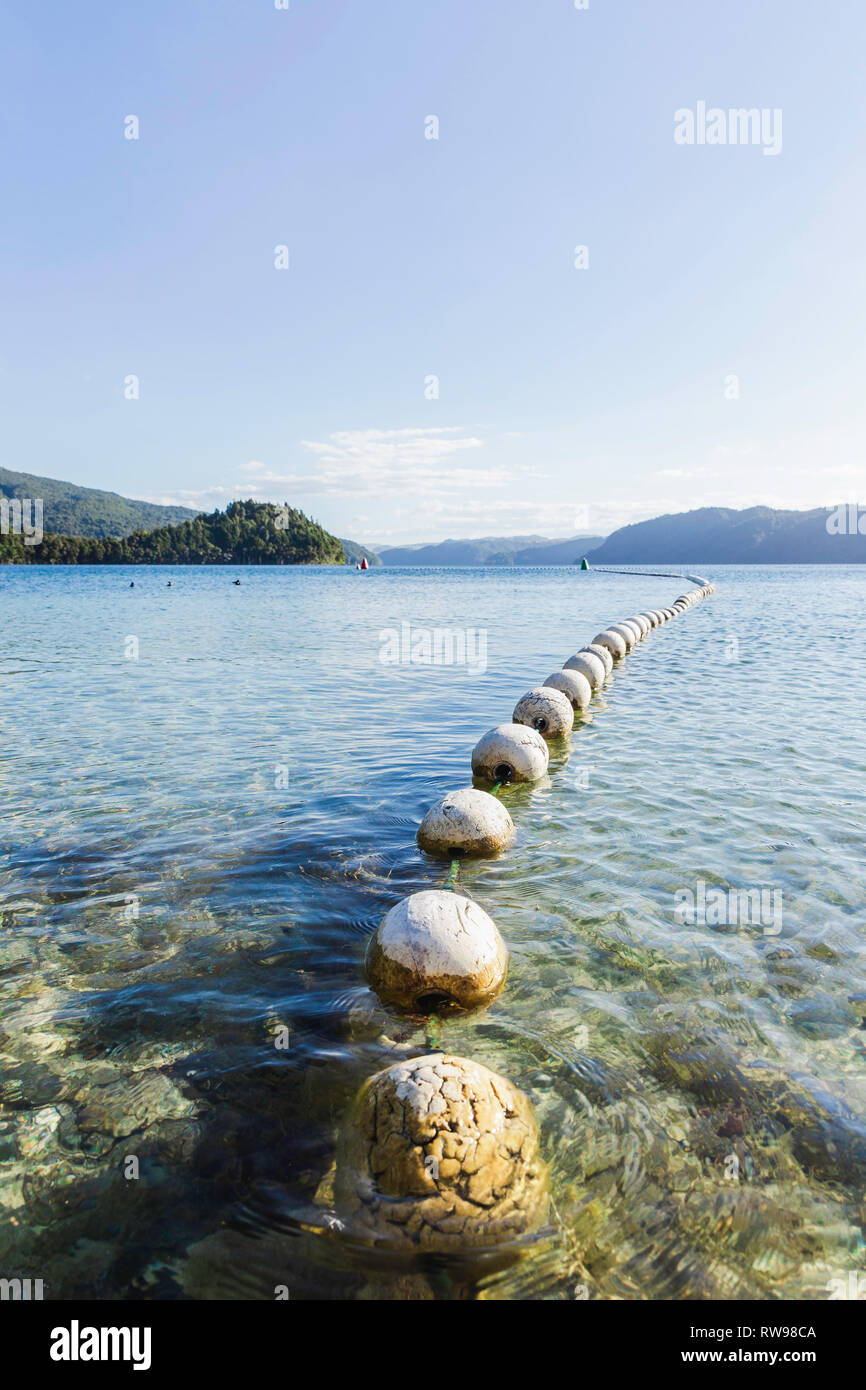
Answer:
(441, 1153)
(548, 710)
(590, 666)
(574, 686)
(467, 821)
(510, 753)
(436, 951)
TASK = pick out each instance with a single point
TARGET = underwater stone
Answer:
(436, 950)
(546, 709)
(467, 821)
(441, 1153)
(510, 753)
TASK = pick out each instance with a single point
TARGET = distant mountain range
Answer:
(722, 536)
(492, 550)
(709, 535)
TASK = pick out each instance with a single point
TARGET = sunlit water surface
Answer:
(210, 798)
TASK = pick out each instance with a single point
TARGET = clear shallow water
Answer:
(197, 843)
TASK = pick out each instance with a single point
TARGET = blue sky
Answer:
(568, 399)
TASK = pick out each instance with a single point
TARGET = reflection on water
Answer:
(198, 842)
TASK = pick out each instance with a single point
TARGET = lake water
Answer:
(210, 799)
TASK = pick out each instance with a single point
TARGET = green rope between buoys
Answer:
(451, 881)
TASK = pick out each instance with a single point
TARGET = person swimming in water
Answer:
(169, 585)
(237, 581)
(132, 585)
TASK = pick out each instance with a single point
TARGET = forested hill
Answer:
(71, 510)
(246, 533)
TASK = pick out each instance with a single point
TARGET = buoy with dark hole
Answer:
(545, 709)
(510, 753)
(436, 951)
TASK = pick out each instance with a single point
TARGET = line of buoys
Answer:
(441, 1151)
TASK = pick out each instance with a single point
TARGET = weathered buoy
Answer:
(603, 654)
(467, 821)
(643, 623)
(651, 616)
(436, 951)
(630, 635)
(440, 1153)
(590, 666)
(613, 641)
(510, 753)
(545, 709)
(573, 685)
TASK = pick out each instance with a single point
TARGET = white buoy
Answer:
(434, 951)
(545, 709)
(651, 617)
(510, 753)
(643, 623)
(613, 641)
(603, 654)
(590, 666)
(467, 821)
(629, 634)
(440, 1154)
(573, 685)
